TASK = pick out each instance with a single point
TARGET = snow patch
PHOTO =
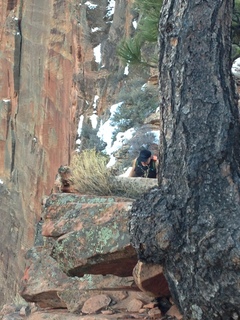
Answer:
(126, 70)
(134, 23)
(95, 29)
(91, 5)
(97, 53)
(110, 8)
(121, 139)
(94, 120)
(236, 68)
(156, 134)
(106, 131)
(95, 102)
(79, 131)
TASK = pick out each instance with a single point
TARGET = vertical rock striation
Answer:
(49, 76)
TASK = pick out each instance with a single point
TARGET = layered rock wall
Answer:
(49, 76)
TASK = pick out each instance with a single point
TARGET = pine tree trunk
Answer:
(191, 224)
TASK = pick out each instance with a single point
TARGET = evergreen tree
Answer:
(130, 50)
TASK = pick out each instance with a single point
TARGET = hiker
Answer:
(145, 165)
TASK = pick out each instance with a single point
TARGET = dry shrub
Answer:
(90, 173)
(91, 176)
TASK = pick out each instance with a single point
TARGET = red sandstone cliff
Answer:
(48, 78)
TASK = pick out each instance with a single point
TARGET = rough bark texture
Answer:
(191, 224)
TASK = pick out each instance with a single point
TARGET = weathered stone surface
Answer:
(132, 295)
(7, 308)
(134, 305)
(92, 233)
(77, 253)
(63, 315)
(155, 313)
(96, 303)
(113, 311)
(150, 279)
(90, 285)
(65, 213)
(174, 312)
(42, 280)
(12, 243)
(34, 117)
(64, 180)
(134, 186)
(12, 316)
(48, 75)
(45, 284)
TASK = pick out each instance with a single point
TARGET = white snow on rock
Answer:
(236, 68)
(97, 53)
(106, 131)
(110, 8)
(91, 5)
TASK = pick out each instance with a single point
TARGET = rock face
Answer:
(91, 232)
(49, 76)
(150, 279)
(83, 262)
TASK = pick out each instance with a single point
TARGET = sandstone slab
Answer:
(117, 289)
(65, 212)
(96, 303)
(150, 279)
(174, 312)
(91, 234)
(49, 287)
(134, 305)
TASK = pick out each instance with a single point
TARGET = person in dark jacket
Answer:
(145, 165)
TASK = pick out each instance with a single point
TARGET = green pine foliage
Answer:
(130, 50)
(147, 32)
(148, 6)
(149, 11)
(148, 27)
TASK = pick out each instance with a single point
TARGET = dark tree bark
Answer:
(191, 223)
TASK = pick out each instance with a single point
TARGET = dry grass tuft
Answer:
(91, 176)
(90, 173)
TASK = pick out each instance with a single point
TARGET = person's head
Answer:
(145, 156)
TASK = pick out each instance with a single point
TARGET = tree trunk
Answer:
(191, 224)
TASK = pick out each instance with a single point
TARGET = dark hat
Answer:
(144, 155)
